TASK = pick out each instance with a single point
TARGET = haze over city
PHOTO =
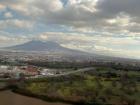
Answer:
(108, 27)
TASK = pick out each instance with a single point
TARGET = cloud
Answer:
(101, 25)
(117, 52)
(115, 46)
(16, 24)
(106, 15)
(8, 15)
(6, 38)
(2, 7)
(82, 39)
(89, 43)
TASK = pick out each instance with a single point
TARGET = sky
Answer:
(108, 27)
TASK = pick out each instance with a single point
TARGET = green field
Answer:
(92, 88)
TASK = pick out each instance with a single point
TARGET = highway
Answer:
(75, 71)
(64, 74)
(55, 75)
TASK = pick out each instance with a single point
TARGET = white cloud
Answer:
(8, 15)
(90, 43)
(5, 39)
(2, 7)
(116, 22)
(117, 52)
(96, 43)
(121, 20)
(106, 15)
(89, 12)
(15, 23)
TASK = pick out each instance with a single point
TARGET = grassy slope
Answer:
(89, 88)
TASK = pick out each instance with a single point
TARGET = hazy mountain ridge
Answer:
(54, 50)
(35, 46)
(48, 46)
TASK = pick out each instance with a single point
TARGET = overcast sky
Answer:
(109, 27)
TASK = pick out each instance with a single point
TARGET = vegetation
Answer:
(73, 64)
(101, 87)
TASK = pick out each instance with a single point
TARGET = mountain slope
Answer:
(48, 46)
(36, 46)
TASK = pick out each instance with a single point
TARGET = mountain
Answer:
(36, 46)
(53, 48)
(48, 46)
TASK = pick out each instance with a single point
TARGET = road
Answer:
(57, 75)
(75, 71)
(64, 74)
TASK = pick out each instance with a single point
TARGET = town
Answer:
(15, 72)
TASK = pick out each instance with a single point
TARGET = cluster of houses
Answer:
(27, 71)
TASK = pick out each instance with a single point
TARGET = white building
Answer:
(46, 72)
